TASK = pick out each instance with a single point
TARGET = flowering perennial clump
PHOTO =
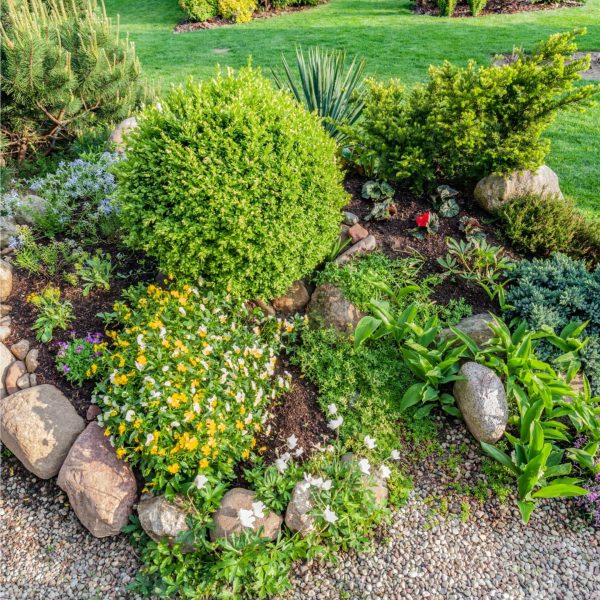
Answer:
(77, 359)
(190, 376)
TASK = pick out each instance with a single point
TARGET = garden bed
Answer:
(493, 7)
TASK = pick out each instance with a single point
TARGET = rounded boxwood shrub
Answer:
(233, 181)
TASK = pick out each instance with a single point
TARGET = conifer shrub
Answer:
(233, 181)
(65, 68)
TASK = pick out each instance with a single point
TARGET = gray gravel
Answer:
(46, 553)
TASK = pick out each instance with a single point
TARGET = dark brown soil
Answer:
(493, 7)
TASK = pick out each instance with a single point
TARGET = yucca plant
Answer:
(327, 87)
(476, 6)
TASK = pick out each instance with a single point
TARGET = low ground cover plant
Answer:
(467, 122)
(77, 359)
(253, 216)
(53, 313)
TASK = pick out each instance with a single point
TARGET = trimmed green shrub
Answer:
(233, 181)
(446, 7)
(542, 225)
(468, 122)
(476, 6)
(200, 10)
(240, 11)
(64, 70)
(554, 292)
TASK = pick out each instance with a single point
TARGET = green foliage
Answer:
(76, 360)
(476, 6)
(468, 122)
(377, 191)
(480, 263)
(240, 11)
(187, 383)
(64, 69)
(200, 10)
(446, 7)
(95, 272)
(231, 180)
(327, 87)
(542, 225)
(553, 292)
(52, 313)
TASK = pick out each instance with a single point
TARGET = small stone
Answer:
(116, 138)
(350, 218)
(6, 279)
(92, 412)
(8, 229)
(476, 327)
(481, 399)
(357, 232)
(23, 381)
(6, 321)
(329, 308)
(367, 244)
(5, 333)
(163, 520)
(13, 373)
(294, 300)
(5, 309)
(266, 307)
(297, 515)
(32, 380)
(32, 360)
(20, 349)
(227, 521)
(6, 359)
(39, 425)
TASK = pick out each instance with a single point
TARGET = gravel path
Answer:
(46, 553)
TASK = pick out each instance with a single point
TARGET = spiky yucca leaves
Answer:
(65, 68)
(335, 93)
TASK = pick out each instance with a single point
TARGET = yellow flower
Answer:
(122, 428)
(203, 463)
(142, 360)
(107, 431)
(137, 424)
(94, 368)
(205, 449)
(239, 425)
(245, 454)
(173, 468)
(181, 367)
(120, 379)
(121, 452)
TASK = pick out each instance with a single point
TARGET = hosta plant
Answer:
(52, 313)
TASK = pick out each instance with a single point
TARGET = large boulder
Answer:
(116, 137)
(101, 488)
(495, 190)
(28, 207)
(329, 308)
(39, 425)
(294, 300)
(482, 400)
(6, 359)
(227, 519)
(477, 327)
(163, 520)
(297, 515)
(6, 280)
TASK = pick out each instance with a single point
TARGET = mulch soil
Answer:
(493, 7)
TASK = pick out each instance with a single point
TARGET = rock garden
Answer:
(321, 335)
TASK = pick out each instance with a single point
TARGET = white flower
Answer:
(326, 485)
(335, 423)
(329, 515)
(200, 481)
(140, 341)
(364, 466)
(281, 465)
(165, 368)
(370, 443)
(292, 442)
(332, 409)
(175, 424)
(246, 517)
(139, 366)
(395, 455)
(159, 107)
(149, 439)
(384, 471)
(299, 452)
(182, 310)
(129, 415)
(259, 508)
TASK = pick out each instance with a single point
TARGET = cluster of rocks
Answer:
(17, 365)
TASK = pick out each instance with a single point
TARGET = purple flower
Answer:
(79, 349)
(66, 369)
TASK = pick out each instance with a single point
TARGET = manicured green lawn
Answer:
(395, 43)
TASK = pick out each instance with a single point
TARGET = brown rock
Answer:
(6, 321)
(20, 349)
(163, 520)
(297, 515)
(357, 232)
(119, 134)
(5, 333)
(294, 300)
(23, 381)
(32, 360)
(5, 309)
(227, 521)
(13, 373)
(39, 425)
(6, 359)
(92, 412)
(6, 280)
(367, 244)
(101, 488)
(329, 308)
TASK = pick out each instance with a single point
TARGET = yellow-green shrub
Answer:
(240, 11)
(199, 10)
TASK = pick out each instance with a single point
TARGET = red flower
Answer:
(423, 220)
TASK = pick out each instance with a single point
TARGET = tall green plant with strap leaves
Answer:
(327, 87)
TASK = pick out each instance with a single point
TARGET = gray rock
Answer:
(476, 327)
(6, 279)
(28, 207)
(350, 218)
(329, 308)
(8, 229)
(23, 381)
(482, 400)
(6, 359)
(297, 516)
(367, 244)
(227, 522)
(495, 190)
(101, 488)
(32, 360)
(5, 333)
(294, 300)
(163, 520)
(116, 138)
(20, 349)
(13, 373)
(39, 425)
